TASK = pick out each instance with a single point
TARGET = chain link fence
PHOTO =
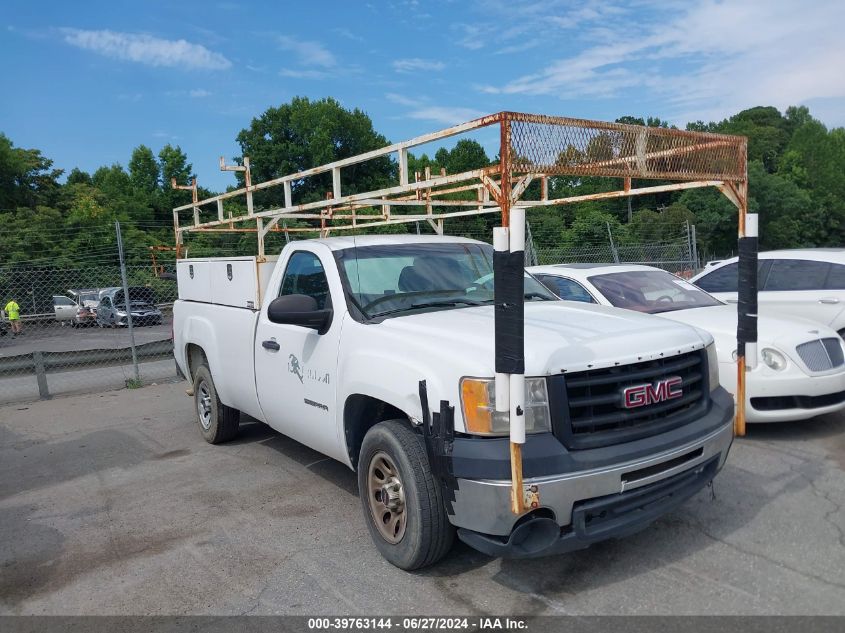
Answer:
(66, 330)
(677, 254)
(72, 334)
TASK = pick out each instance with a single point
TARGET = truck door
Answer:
(295, 366)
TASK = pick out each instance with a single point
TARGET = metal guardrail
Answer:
(40, 363)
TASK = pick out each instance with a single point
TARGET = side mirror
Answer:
(299, 310)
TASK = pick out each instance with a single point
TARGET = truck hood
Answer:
(559, 336)
(782, 332)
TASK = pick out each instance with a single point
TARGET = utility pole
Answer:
(613, 250)
(695, 261)
(128, 302)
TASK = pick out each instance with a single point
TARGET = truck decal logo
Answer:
(319, 405)
(294, 367)
(651, 393)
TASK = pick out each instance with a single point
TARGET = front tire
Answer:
(217, 422)
(402, 502)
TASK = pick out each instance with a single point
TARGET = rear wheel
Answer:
(402, 502)
(217, 422)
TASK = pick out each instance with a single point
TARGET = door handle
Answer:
(271, 345)
(732, 300)
(829, 300)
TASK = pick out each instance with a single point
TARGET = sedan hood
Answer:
(782, 332)
(559, 336)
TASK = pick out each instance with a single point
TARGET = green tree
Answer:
(303, 134)
(144, 170)
(77, 176)
(27, 178)
(173, 163)
(651, 121)
(466, 155)
(767, 131)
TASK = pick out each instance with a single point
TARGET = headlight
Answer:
(773, 358)
(121, 314)
(478, 399)
(713, 366)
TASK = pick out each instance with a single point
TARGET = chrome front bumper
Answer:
(484, 505)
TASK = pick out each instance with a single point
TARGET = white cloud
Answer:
(422, 109)
(303, 74)
(146, 49)
(401, 99)
(133, 97)
(415, 64)
(444, 114)
(539, 23)
(344, 32)
(473, 36)
(308, 53)
(199, 93)
(710, 60)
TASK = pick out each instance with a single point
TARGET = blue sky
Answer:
(86, 82)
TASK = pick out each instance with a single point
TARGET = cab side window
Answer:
(304, 275)
(566, 288)
(796, 274)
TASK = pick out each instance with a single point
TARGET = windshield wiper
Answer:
(444, 303)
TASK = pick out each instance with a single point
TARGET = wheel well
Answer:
(360, 414)
(196, 357)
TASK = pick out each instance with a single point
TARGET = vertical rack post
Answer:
(746, 329)
(128, 302)
(194, 199)
(508, 289)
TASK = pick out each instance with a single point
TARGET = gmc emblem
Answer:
(660, 391)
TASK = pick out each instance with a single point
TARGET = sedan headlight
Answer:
(713, 366)
(773, 358)
(478, 399)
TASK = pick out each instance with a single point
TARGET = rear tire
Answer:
(217, 422)
(402, 502)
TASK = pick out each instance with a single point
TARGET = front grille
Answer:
(822, 354)
(592, 401)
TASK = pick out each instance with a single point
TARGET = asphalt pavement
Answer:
(112, 504)
(61, 337)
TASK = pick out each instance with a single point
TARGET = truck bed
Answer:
(225, 333)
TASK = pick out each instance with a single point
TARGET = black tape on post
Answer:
(746, 330)
(508, 293)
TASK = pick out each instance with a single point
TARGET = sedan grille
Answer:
(593, 402)
(821, 355)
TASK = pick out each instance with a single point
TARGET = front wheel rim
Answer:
(204, 406)
(386, 498)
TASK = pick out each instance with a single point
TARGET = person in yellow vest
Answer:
(13, 313)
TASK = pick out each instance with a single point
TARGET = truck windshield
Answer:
(397, 278)
(651, 291)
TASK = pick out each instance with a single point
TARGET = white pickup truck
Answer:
(378, 352)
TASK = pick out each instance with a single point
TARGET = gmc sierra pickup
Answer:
(377, 351)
